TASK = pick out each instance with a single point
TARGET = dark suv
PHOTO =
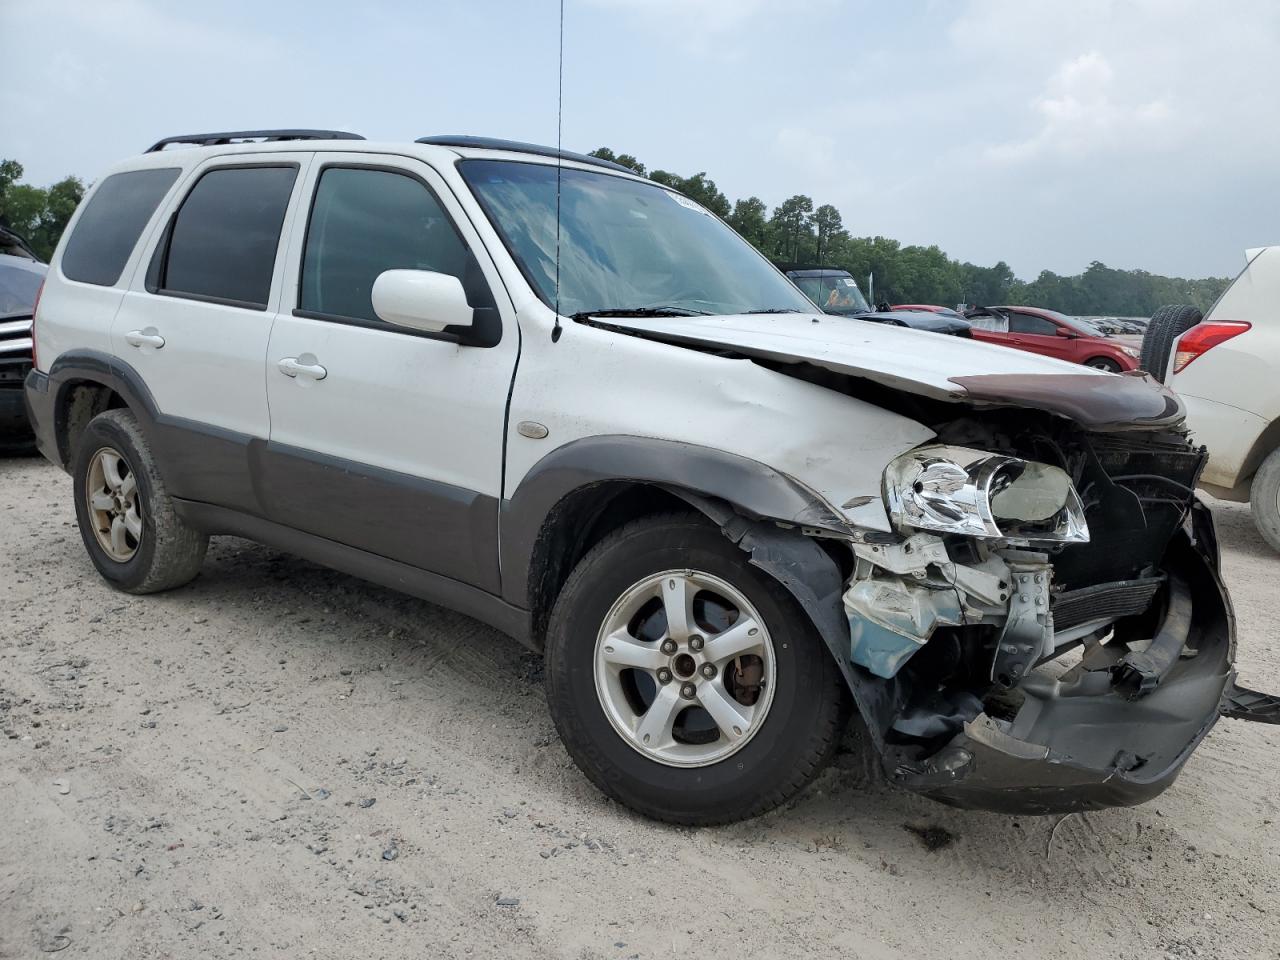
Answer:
(20, 279)
(836, 292)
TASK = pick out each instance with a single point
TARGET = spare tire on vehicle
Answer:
(1167, 324)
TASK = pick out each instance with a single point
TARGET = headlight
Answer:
(1131, 351)
(979, 494)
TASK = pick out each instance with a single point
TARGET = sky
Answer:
(1142, 133)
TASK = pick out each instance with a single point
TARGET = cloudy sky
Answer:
(1142, 133)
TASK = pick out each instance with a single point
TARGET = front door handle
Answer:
(148, 337)
(303, 366)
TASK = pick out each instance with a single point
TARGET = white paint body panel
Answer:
(394, 400)
(210, 368)
(1232, 390)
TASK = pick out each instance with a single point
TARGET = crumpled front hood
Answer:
(951, 368)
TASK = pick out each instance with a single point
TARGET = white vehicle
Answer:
(1226, 368)
(570, 402)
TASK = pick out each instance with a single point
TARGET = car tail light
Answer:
(1204, 336)
(35, 309)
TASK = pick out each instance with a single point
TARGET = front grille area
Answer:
(1104, 601)
(15, 352)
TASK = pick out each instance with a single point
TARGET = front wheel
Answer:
(1103, 363)
(686, 683)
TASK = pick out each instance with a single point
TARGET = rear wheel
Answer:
(686, 683)
(1264, 499)
(127, 520)
(1167, 324)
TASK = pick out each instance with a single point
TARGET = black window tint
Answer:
(1026, 323)
(366, 221)
(111, 223)
(223, 241)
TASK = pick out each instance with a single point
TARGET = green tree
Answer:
(749, 219)
(623, 159)
(38, 214)
(791, 229)
(829, 231)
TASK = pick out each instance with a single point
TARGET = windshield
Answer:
(19, 280)
(624, 245)
(834, 294)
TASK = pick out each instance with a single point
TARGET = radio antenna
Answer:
(557, 330)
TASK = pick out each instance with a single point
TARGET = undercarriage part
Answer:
(1139, 672)
(889, 620)
(1241, 703)
(1103, 601)
(1028, 629)
(1076, 741)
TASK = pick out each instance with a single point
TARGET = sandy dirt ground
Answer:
(281, 761)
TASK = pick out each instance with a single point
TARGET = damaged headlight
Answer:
(979, 494)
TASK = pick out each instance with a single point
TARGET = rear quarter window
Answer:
(112, 221)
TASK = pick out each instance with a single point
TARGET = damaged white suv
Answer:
(565, 400)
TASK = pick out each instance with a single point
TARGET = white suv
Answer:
(570, 402)
(1227, 369)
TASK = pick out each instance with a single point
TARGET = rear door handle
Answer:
(304, 366)
(147, 337)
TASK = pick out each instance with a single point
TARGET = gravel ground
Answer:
(283, 761)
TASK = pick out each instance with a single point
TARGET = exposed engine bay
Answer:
(1098, 553)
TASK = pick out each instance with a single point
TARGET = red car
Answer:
(1053, 334)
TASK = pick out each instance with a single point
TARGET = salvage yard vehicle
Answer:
(570, 402)
(1054, 334)
(1225, 366)
(20, 277)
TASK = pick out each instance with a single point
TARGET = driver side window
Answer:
(366, 221)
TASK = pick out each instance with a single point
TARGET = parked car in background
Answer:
(20, 279)
(1226, 368)
(929, 308)
(837, 292)
(1053, 334)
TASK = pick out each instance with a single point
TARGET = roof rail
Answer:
(237, 136)
(494, 143)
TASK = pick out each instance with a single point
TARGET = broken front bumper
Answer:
(1091, 737)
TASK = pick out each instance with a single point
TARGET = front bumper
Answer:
(1085, 740)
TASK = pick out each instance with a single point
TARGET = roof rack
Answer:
(240, 136)
(493, 143)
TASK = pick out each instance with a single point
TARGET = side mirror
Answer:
(421, 300)
(1066, 334)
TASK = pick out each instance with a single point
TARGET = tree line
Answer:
(793, 232)
(37, 214)
(798, 232)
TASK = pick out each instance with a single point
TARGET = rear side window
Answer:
(111, 223)
(366, 221)
(222, 243)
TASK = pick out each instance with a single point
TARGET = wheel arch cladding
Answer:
(591, 486)
(87, 383)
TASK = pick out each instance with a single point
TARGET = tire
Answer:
(160, 552)
(1264, 499)
(782, 748)
(1167, 324)
(1103, 363)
